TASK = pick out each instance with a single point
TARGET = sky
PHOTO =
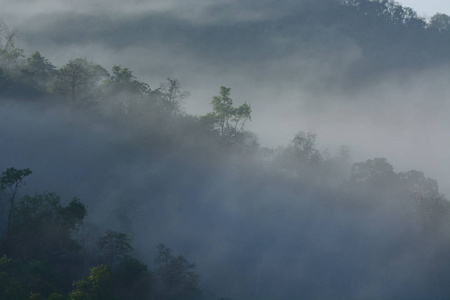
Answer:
(428, 7)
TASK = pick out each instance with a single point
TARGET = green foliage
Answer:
(114, 246)
(25, 280)
(56, 296)
(123, 81)
(227, 120)
(96, 286)
(39, 70)
(11, 286)
(127, 94)
(223, 110)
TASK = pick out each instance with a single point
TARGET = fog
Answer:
(253, 232)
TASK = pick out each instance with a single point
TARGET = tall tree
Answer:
(41, 228)
(172, 96)
(114, 246)
(40, 70)
(122, 82)
(227, 120)
(79, 80)
(301, 159)
(126, 93)
(440, 22)
(10, 55)
(132, 279)
(12, 179)
(175, 278)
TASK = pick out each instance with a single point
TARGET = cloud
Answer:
(299, 72)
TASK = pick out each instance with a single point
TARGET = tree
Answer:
(373, 180)
(41, 228)
(440, 22)
(300, 158)
(227, 120)
(79, 80)
(10, 55)
(12, 179)
(11, 285)
(122, 82)
(414, 183)
(434, 210)
(39, 69)
(132, 279)
(128, 94)
(114, 246)
(175, 278)
(172, 96)
(304, 146)
(25, 279)
(96, 286)
(374, 172)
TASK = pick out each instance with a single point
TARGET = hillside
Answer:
(108, 175)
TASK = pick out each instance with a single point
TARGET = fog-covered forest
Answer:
(224, 150)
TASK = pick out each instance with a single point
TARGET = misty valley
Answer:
(118, 184)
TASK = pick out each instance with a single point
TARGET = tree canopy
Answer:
(226, 119)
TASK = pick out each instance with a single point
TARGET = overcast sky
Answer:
(428, 7)
(27, 7)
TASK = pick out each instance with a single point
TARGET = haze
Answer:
(375, 85)
(288, 90)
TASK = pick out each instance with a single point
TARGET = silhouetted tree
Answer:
(12, 179)
(132, 279)
(174, 277)
(172, 96)
(374, 172)
(114, 246)
(10, 55)
(440, 22)
(301, 158)
(79, 80)
(42, 229)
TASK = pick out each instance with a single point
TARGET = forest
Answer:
(111, 189)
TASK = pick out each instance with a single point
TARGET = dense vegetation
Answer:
(287, 223)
